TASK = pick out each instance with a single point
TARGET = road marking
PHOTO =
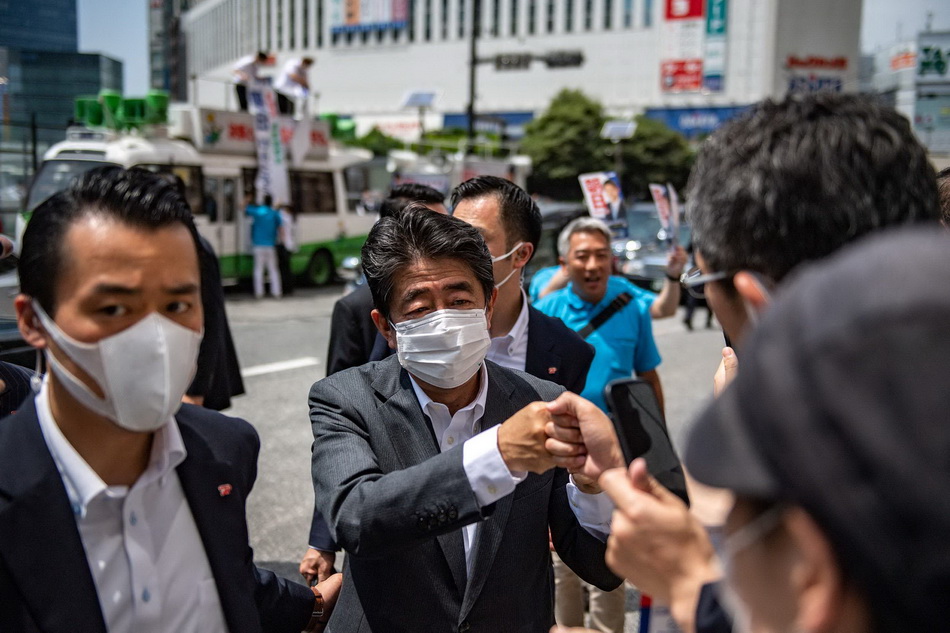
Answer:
(283, 365)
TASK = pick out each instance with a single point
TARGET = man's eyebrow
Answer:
(183, 289)
(412, 294)
(460, 285)
(115, 289)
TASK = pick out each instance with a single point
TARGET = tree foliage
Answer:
(377, 142)
(565, 142)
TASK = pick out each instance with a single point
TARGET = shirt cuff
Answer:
(487, 473)
(593, 512)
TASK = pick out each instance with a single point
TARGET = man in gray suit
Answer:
(434, 467)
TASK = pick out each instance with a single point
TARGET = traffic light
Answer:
(513, 61)
(564, 59)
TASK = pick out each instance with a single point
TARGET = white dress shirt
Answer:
(511, 349)
(248, 66)
(144, 551)
(286, 84)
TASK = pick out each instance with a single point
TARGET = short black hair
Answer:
(416, 233)
(401, 195)
(943, 193)
(793, 181)
(262, 56)
(134, 197)
(518, 212)
(268, 200)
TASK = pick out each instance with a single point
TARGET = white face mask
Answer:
(444, 348)
(495, 260)
(143, 371)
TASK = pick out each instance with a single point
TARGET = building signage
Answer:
(933, 58)
(693, 122)
(368, 15)
(714, 57)
(906, 59)
(682, 49)
(815, 73)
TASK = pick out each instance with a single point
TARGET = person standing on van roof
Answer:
(293, 84)
(245, 71)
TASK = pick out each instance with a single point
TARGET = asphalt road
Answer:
(282, 348)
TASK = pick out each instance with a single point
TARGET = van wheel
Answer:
(320, 269)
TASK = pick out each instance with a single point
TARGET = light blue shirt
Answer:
(264, 226)
(541, 278)
(622, 345)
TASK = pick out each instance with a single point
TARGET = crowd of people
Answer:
(461, 438)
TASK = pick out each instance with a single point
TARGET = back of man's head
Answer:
(268, 200)
(795, 180)
(133, 197)
(416, 234)
(401, 195)
(519, 214)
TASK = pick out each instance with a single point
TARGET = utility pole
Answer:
(472, 67)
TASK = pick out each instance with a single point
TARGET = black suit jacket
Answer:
(218, 376)
(397, 505)
(555, 353)
(352, 332)
(45, 582)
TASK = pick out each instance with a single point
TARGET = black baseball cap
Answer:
(842, 407)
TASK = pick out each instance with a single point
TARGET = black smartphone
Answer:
(641, 430)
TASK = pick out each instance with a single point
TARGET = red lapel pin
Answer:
(224, 490)
(552, 370)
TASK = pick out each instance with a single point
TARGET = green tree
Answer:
(377, 142)
(565, 142)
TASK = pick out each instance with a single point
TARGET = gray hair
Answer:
(581, 225)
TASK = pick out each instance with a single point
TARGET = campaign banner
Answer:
(271, 157)
(684, 9)
(224, 132)
(367, 15)
(674, 213)
(604, 198)
(662, 201)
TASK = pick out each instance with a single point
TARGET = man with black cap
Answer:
(768, 193)
(835, 442)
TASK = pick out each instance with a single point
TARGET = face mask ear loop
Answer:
(36, 380)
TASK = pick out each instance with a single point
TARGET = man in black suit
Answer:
(354, 341)
(434, 468)
(138, 503)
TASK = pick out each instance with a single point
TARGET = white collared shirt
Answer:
(142, 545)
(511, 350)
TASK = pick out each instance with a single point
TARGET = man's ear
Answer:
(28, 322)
(753, 289)
(384, 328)
(522, 256)
(816, 579)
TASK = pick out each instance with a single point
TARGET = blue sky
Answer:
(119, 28)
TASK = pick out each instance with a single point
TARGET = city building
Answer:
(41, 72)
(692, 63)
(166, 46)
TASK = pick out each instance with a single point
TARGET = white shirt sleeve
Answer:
(486, 470)
(593, 512)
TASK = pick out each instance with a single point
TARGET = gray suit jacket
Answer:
(396, 505)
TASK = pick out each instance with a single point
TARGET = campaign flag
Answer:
(604, 199)
(674, 213)
(593, 187)
(271, 157)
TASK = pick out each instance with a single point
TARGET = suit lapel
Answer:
(38, 534)
(498, 408)
(542, 360)
(221, 520)
(413, 442)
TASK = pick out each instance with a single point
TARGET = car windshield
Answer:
(644, 226)
(53, 177)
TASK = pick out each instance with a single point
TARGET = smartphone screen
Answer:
(641, 430)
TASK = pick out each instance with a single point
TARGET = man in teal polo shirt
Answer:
(624, 343)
